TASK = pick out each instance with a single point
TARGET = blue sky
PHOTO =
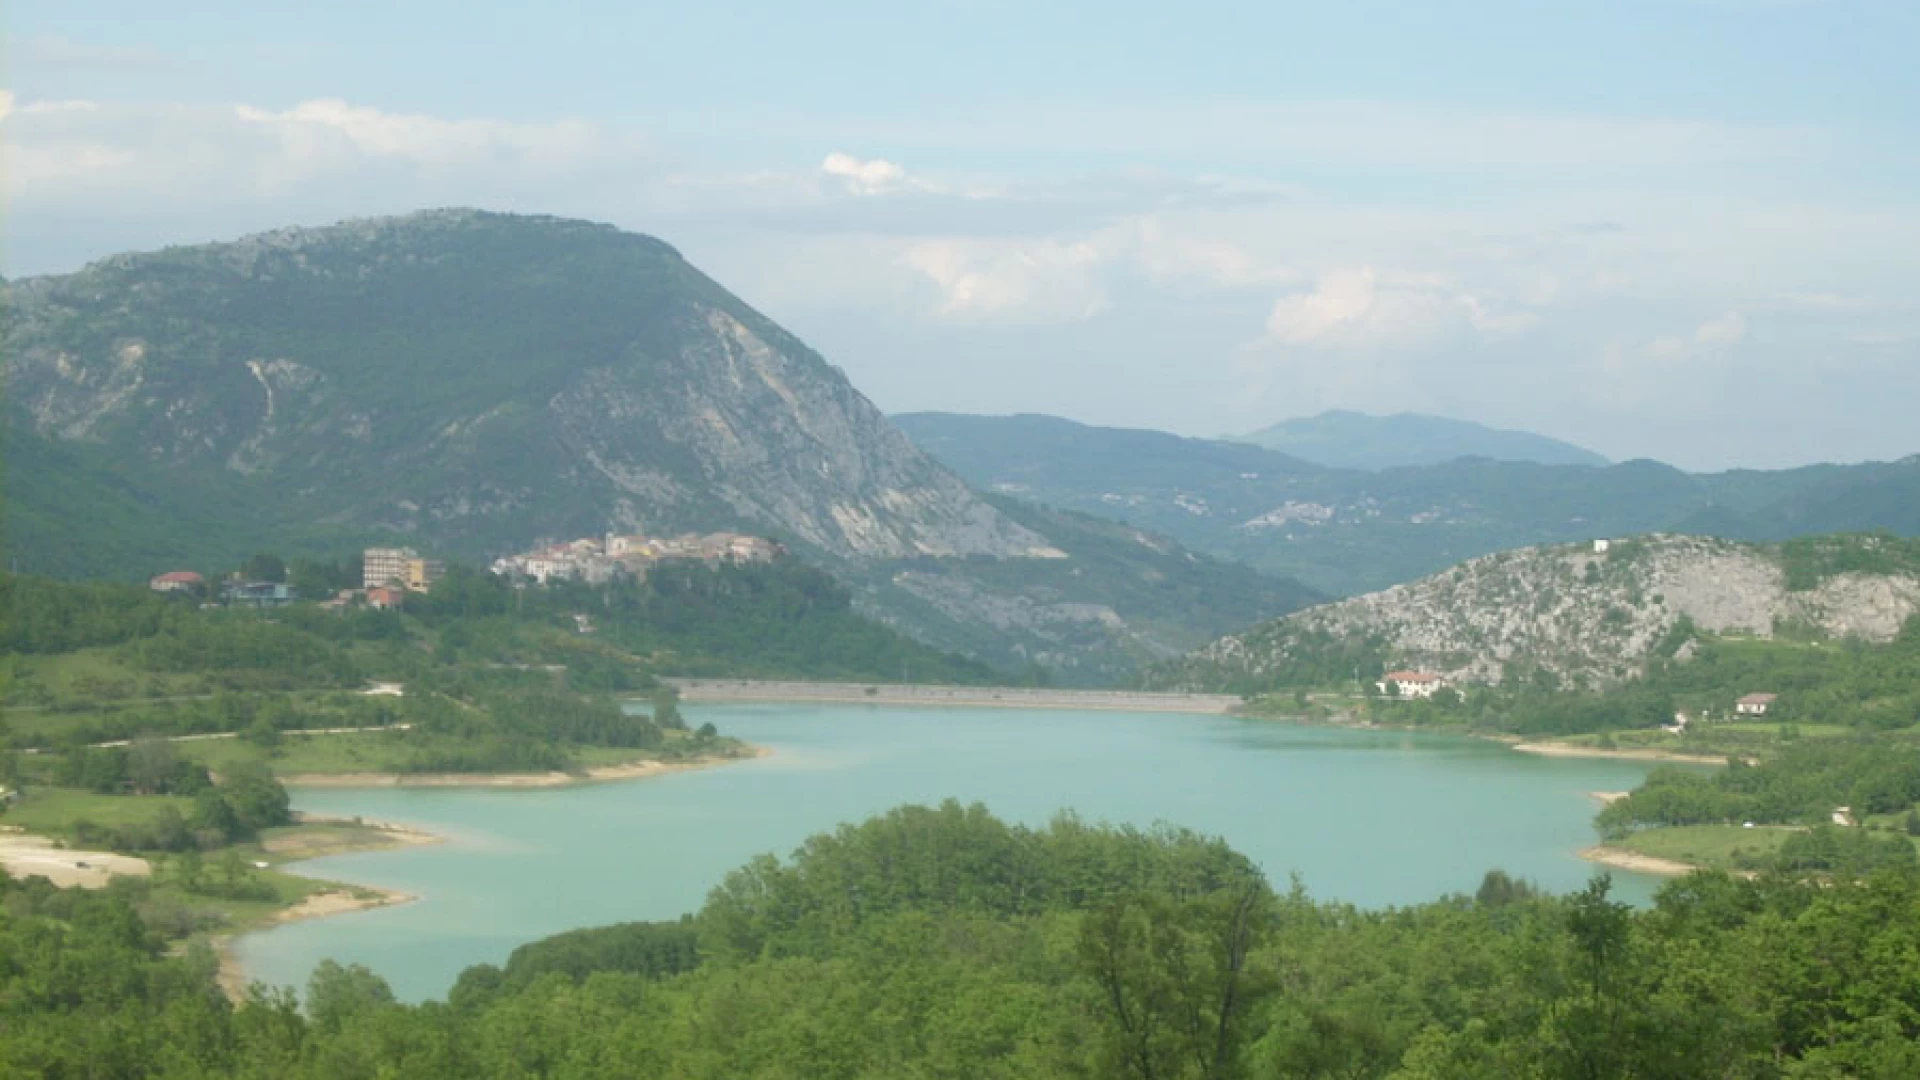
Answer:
(1686, 229)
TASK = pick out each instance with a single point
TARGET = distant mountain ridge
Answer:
(1589, 614)
(470, 381)
(1349, 531)
(1343, 439)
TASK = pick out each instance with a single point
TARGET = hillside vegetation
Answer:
(1583, 617)
(493, 678)
(944, 943)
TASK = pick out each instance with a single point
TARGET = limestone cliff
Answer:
(1589, 613)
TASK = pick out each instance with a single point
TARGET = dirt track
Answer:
(25, 855)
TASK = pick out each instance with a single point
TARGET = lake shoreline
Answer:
(1560, 749)
(635, 770)
(1622, 859)
(339, 900)
(753, 691)
(346, 898)
(1521, 743)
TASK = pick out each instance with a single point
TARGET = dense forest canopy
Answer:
(940, 942)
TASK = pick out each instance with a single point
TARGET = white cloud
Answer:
(1340, 304)
(873, 177)
(1023, 282)
(320, 132)
(1363, 308)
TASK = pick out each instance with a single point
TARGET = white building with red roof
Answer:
(1411, 684)
(176, 581)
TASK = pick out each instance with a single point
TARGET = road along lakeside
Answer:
(747, 691)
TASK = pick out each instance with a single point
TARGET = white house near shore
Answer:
(1754, 704)
(1411, 684)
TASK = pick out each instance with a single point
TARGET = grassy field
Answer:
(1776, 730)
(52, 811)
(372, 751)
(87, 678)
(1712, 846)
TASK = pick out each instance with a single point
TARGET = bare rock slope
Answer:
(1589, 613)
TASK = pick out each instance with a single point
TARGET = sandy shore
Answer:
(717, 691)
(1553, 749)
(630, 771)
(390, 833)
(1608, 798)
(25, 855)
(334, 901)
(1621, 859)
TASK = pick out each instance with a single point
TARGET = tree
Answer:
(262, 733)
(1498, 889)
(264, 566)
(257, 799)
(336, 994)
(1173, 979)
(1589, 1039)
(153, 765)
(666, 709)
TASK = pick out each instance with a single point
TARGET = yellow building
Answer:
(422, 573)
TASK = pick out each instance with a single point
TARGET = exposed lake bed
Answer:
(1370, 817)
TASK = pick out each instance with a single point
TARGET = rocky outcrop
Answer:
(1589, 613)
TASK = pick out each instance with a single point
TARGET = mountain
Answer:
(1349, 531)
(1118, 600)
(1588, 613)
(470, 382)
(1352, 440)
(464, 374)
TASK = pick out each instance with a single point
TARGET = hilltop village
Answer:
(596, 560)
(387, 574)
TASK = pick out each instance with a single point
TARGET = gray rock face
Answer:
(1589, 616)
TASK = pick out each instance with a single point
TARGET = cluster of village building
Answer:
(389, 573)
(598, 560)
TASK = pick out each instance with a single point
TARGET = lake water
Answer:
(1371, 817)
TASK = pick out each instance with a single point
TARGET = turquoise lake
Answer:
(1371, 817)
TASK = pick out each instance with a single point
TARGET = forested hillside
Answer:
(494, 678)
(943, 943)
(1346, 531)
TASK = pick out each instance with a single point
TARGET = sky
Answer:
(1679, 229)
